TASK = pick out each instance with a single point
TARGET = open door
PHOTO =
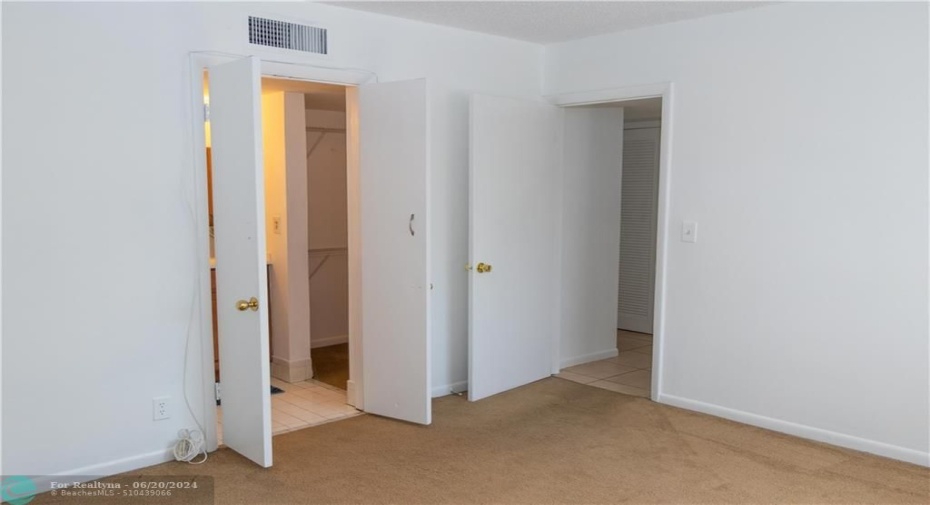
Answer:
(638, 222)
(241, 277)
(513, 246)
(394, 187)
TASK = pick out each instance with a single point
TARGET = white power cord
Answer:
(190, 445)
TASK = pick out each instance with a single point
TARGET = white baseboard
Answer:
(44, 483)
(800, 430)
(351, 395)
(447, 389)
(587, 358)
(291, 371)
(324, 342)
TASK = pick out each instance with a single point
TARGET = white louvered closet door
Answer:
(638, 207)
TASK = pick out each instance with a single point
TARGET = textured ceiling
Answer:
(548, 22)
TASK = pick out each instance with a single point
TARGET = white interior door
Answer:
(239, 229)
(638, 214)
(592, 153)
(514, 228)
(394, 189)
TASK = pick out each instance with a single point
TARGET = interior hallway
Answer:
(553, 441)
(630, 372)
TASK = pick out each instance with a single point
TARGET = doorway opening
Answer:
(327, 220)
(388, 135)
(304, 141)
(631, 370)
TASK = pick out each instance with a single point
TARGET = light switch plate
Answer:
(689, 231)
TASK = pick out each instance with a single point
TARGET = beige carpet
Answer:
(331, 364)
(554, 441)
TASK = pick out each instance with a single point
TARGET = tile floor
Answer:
(301, 405)
(630, 372)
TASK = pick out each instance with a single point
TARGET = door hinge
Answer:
(216, 392)
(206, 113)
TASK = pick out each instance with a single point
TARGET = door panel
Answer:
(639, 208)
(239, 229)
(514, 224)
(394, 188)
(590, 240)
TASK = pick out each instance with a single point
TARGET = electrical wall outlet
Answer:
(160, 408)
(276, 225)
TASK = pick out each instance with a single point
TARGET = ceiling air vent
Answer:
(274, 33)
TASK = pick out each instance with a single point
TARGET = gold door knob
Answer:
(483, 267)
(245, 305)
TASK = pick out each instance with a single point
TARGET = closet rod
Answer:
(327, 249)
(326, 130)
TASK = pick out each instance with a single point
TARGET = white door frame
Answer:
(658, 90)
(295, 70)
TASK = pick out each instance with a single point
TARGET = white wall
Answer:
(295, 229)
(103, 264)
(326, 180)
(328, 229)
(275, 172)
(285, 148)
(592, 161)
(799, 143)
